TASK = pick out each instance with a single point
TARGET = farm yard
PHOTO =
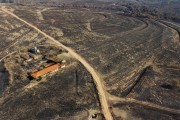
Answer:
(137, 59)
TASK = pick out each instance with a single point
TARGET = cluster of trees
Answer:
(6, 1)
(137, 8)
(154, 11)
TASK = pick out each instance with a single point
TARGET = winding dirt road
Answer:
(90, 69)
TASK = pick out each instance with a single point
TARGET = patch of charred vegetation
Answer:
(84, 81)
(29, 15)
(172, 72)
(17, 73)
(18, 67)
(132, 86)
(171, 26)
(71, 23)
(134, 110)
(153, 70)
(64, 94)
(168, 57)
(156, 84)
(168, 67)
(4, 76)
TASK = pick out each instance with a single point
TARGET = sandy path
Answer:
(39, 13)
(7, 55)
(175, 32)
(116, 100)
(96, 77)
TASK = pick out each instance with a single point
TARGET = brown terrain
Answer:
(118, 67)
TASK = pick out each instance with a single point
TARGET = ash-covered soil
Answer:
(69, 94)
(159, 85)
(136, 112)
(66, 94)
(138, 58)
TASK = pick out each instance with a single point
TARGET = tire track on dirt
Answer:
(16, 40)
(137, 30)
(97, 79)
(174, 30)
(116, 100)
(7, 55)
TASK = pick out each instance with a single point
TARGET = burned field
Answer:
(164, 83)
(67, 93)
(134, 111)
(137, 58)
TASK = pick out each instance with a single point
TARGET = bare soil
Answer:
(137, 60)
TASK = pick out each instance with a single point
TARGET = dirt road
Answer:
(116, 100)
(96, 77)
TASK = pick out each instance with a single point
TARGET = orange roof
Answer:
(45, 70)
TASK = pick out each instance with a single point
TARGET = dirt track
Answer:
(144, 103)
(96, 77)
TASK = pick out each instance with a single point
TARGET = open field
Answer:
(138, 60)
